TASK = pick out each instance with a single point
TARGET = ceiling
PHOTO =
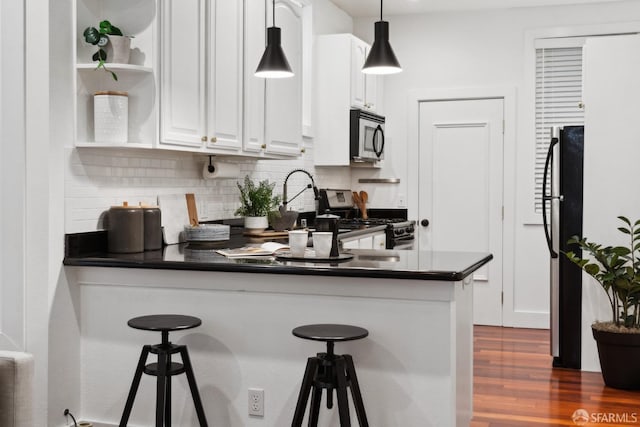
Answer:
(368, 8)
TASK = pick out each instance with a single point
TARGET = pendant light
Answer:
(274, 64)
(381, 59)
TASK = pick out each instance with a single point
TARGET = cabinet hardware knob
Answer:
(424, 223)
(263, 146)
(302, 150)
(203, 139)
(214, 139)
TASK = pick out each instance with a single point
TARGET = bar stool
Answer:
(165, 368)
(330, 371)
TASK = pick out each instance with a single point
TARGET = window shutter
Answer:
(558, 96)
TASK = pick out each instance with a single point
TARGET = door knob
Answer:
(424, 223)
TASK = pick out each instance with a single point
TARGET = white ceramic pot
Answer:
(121, 46)
(256, 223)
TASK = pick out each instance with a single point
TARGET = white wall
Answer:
(12, 177)
(610, 162)
(482, 49)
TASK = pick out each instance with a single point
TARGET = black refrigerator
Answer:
(562, 217)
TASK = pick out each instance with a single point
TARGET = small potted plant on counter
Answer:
(104, 35)
(617, 270)
(256, 201)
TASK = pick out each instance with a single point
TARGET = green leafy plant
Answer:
(617, 269)
(100, 37)
(256, 200)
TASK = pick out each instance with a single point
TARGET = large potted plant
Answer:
(256, 201)
(617, 270)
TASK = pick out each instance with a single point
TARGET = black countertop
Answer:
(88, 250)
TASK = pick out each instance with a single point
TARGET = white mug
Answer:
(322, 243)
(298, 242)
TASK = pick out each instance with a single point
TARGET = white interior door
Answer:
(461, 182)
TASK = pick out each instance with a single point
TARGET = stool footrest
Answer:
(174, 369)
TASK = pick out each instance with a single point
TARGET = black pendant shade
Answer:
(273, 64)
(381, 59)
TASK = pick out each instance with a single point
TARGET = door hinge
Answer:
(503, 126)
(502, 298)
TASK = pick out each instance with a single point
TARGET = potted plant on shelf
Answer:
(617, 270)
(256, 201)
(104, 35)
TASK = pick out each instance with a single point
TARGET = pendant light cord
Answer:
(381, 10)
(273, 20)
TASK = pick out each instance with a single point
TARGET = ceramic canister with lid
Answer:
(125, 233)
(152, 228)
(111, 116)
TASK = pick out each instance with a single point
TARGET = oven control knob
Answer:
(411, 228)
(397, 231)
(424, 223)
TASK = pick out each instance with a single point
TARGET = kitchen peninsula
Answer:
(415, 368)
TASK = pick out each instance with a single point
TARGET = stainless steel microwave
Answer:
(366, 136)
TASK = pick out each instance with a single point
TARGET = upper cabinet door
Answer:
(359, 51)
(224, 118)
(254, 87)
(283, 124)
(182, 83)
(201, 83)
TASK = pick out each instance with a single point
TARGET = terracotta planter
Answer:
(619, 355)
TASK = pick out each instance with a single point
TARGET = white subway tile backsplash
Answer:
(98, 178)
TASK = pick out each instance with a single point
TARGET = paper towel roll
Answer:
(221, 170)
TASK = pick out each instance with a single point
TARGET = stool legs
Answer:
(355, 391)
(161, 389)
(305, 389)
(328, 371)
(134, 386)
(163, 385)
(341, 393)
(194, 388)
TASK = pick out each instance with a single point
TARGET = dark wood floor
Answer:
(515, 385)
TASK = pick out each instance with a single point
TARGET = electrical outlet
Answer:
(256, 402)
(402, 203)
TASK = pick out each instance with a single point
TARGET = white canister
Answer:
(111, 116)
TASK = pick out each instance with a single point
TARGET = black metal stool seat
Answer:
(330, 371)
(164, 369)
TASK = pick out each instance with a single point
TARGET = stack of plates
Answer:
(206, 233)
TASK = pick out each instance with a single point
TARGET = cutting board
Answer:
(174, 216)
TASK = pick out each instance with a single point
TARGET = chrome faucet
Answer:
(312, 185)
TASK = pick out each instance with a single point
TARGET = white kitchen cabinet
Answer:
(273, 113)
(137, 78)
(341, 85)
(370, 241)
(364, 87)
(201, 75)
(380, 241)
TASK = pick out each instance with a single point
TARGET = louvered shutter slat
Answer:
(558, 93)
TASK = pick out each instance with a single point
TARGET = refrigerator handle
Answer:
(546, 198)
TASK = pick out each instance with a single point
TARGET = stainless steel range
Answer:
(399, 231)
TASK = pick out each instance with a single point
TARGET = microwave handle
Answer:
(375, 149)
